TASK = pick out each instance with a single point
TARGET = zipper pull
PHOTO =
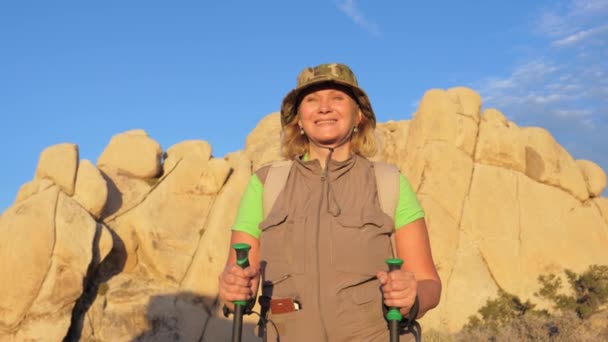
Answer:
(281, 279)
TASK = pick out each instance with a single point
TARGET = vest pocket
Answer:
(281, 245)
(360, 244)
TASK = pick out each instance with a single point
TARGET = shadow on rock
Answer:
(184, 317)
(97, 274)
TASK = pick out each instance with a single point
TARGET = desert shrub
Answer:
(589, 290)
(528, 327)
(499, 312)
(508, 318)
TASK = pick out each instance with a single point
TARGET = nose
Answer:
(324, 105)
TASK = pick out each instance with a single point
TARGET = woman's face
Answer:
(327, 114)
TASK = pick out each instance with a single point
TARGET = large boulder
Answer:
(131, 249)
(91, 190)
(59, 163)
(595, 177)
(133, 153)
(48, 243)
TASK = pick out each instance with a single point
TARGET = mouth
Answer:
(326, 122)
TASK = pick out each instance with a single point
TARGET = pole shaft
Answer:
(237, 323)
(394, 331)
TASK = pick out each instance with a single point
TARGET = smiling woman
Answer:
(320, 248)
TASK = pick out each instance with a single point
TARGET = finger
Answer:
(232, 292)
(382, 277)
(401, 285)
(401, 275)
(250, 272)
(237, 279)
(401, 303)
(400, 298)
(231, 296)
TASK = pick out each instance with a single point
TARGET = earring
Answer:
(355, 129)
(301, 131)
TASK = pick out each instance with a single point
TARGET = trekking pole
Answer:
(393, 315)
(242, 259)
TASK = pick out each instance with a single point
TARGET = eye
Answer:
(337, 96)
(309, 99)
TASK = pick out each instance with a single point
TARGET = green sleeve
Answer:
(408, 208)
(251, 209)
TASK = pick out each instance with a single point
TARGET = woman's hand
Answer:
(399, 288)
(236, 283)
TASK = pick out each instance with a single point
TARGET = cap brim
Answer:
(288, 106)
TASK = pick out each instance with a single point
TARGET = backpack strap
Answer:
(387, 183)
(274, 183)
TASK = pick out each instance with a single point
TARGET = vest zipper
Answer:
(323, 188)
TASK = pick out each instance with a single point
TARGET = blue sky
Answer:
(82, 71)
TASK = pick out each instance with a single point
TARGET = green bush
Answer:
(507, 317)
(590, 290)
(499, 312)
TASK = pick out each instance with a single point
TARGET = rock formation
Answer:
(130, 248)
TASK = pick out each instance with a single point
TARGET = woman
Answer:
(321, 249)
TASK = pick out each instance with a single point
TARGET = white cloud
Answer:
(589, 7)
(564, 86)
(580, 35)
(350, 8)
(574, 113)
(572, 19)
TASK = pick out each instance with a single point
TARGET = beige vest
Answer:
(321, 245)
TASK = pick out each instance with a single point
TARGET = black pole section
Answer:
(393, 315)
(242, 259)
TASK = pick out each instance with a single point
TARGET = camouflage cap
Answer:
(325, 73)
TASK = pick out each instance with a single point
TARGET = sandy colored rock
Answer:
(499, 143)
(446, 177)
(105, 242)
(503, 205)
(91, 190)
(263, 143)
(459, 299)
(493, 222)
(595, 177)
(469, 101)
(391, 140)
(124, 193)
(32, 187)
(133, 153)
(27, 236)
(50, 265)
(555, 228)
(212, 251)
(602, 205)
(171, 221)
(122, 311)
(440, 119)
(548, 162)
(59, 164)
(63, 285)
(444, 234)
(192, 149)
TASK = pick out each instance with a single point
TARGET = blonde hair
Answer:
(294, 144)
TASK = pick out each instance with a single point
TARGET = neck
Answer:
(341, 153)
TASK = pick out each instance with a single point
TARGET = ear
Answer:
(300, 124)
(359, 117)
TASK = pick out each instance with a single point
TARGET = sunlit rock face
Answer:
(130, 248)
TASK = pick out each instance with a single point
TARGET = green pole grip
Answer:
(393, 313)
(242, 259)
